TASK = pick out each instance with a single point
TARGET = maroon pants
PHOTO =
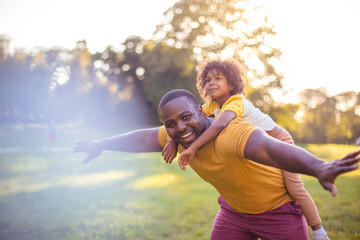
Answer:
(286, 222)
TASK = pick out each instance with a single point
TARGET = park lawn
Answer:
(341, 214)
(45, 193)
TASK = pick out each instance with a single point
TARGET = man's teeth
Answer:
(186, 135)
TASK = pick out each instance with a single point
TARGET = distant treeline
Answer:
(124, 85)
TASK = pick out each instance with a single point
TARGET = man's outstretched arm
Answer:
(269, 151)
(143, 140)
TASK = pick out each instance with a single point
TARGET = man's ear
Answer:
(200, 110)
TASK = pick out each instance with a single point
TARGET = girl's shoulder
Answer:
(237, 98)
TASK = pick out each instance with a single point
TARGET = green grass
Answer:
(118, 196)
(340, 215)
(47, 194)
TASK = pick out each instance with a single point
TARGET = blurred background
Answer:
(83, 69)
(87, 62)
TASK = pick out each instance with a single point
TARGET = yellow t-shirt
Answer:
(234, 103)
(248, 187)
(242, 108)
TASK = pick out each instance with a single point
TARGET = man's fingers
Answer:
(333, 191)
(86, 160)
(330, 187)
(353, 162)
(76, 148)
(347, 162)
(352, 155)
(79, 146)
(345, 169)
(79, 142)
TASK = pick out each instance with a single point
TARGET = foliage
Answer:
(124, 85)
(218, 28)
(144, 71)
(285, 116)
(333, 119)
(172, 70)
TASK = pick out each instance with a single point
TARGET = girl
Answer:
(221, 83)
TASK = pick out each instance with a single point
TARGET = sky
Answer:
(320, 39)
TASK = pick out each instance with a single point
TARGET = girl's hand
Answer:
(186, 158)
(169, 152)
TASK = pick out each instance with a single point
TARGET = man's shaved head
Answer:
(176, 94)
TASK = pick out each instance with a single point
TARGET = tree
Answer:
(142, 71)
(23, 86)
(285, 115)
(166, 68)
(348, 118)
(121, 73)
(234, 28)
(329, 119)
(319, 114)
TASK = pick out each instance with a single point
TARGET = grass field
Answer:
(45, 193)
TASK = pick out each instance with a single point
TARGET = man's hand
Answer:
(334, 168)
(91, 147)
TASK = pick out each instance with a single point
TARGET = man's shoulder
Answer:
(232, 140)
(163, 136)
(239, 123)
(238, 129)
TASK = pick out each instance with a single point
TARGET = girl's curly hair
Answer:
(230, 68)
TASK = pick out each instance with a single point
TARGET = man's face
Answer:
(183, 121)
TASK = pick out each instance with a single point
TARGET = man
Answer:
(254, 202)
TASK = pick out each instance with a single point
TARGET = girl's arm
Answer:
(170, 151)
(188, 155)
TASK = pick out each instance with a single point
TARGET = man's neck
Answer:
(211, 120)
(207, 122)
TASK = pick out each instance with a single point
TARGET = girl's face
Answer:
(217, 87)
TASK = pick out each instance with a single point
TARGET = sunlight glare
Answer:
(96, 178)
(254, 63)
(61, 75)
(227, 52)
(98, 64)
(140, 71)
(299, 116)
(155, 181)
(25, 184)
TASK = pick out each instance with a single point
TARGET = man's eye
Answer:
(169, 125)
(187, 117)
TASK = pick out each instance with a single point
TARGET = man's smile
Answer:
(185, 135)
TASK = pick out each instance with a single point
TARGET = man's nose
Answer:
(181, 126)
